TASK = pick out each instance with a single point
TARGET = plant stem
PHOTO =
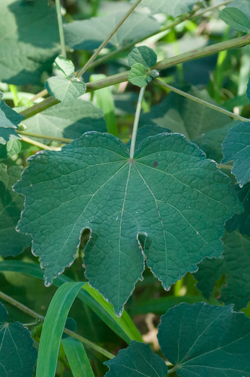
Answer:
(136, 122)
(59, 139)
(15, 95)
(60, 26)
(33, 314)
(226, 167)
(39, 145)
(174, 369)
(167, 63)
(201, 101)
(104, 43)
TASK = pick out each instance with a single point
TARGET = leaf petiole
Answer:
(136, 122)
(60, 26)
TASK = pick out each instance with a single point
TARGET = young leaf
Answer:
(168, 188)
(135, 361)
(8, 122)
(172, 8)
(9, 149)
(77, 358)
(11, 205)
(89, 34)
(53, 328)
(235, 18)
(204, 340)
(65, 89)
(143, 55)
(65, 66)
(235, 266)
(138, 75)
(241, 221)
(30, 39)
(17, 352)
(236, 147)
(69, 120)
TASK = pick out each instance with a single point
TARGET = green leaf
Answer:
(182, 115)
(143, 55)
(64, 89)
(11, 205)
(235, 266)
(8, 122)
(236, 147)
(89, 34)
(69, 120)
(211, 142)
(147, 131)
(77, 358)
(135, 361)
(100, 170)
(104, 100)
(204, 340)
(29, 38)
(243, 5)
(9, 149)
(17, 352)
(138, 75)
(235, 18)
(65, 66)
(53, 328)
(172, 8)
(241, 221)
(124, 326)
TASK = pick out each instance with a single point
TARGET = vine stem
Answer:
(167, 63)
(104, 43)
(136, 122)
(200, 101)
(39, 145)
(33, 314)
(59, 139)
(60, 26)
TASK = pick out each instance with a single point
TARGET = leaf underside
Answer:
(168, 190)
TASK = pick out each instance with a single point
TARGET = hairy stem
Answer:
(33, 314)
(60, 26)
(201, 101)
(59, 139)
(167, 63)
(104, 43)
(136, 122)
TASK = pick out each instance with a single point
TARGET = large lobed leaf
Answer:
(167, 190)
(17, 352)
(11, 205)
(236, 147)
(29, 38)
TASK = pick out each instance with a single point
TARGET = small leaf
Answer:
(53, 326)
(65, 66)
(12, 243)
(137, 360)
(205, 340)
(236, 147)
(235, 18)
(64, 89)
(243, 5)
(8, 122)
(182, 191)
(138, 75)
(69, 119)
(17, 352)
(10, 149)
(77, 358)
(143, 55)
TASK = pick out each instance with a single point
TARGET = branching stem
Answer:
(136, 122)
(104, 43)
(200, 101)
(60, 26)
(33, 314)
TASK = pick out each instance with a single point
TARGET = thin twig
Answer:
(200, 101)
(39, 145)
(45, 137)
(104, 43)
